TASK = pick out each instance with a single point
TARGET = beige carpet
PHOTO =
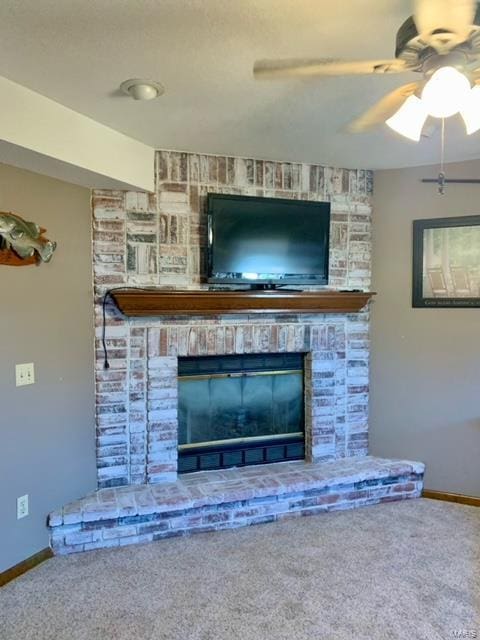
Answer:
(408, 570)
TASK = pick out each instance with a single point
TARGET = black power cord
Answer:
(106, 364)
(106, 295)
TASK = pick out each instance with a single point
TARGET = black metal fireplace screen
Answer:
(240, 410)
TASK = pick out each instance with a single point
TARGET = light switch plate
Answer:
(22, 506)
(24, 374)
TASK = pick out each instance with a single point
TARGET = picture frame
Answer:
(446, 262)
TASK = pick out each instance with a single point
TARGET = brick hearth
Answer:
(214, 500)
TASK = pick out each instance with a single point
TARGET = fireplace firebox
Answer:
(239, 410)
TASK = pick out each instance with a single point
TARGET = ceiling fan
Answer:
(441, 41)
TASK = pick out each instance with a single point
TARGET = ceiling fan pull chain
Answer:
(441, 175)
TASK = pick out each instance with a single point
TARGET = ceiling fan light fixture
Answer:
(408, 121)
(446, 92)
(470, 111)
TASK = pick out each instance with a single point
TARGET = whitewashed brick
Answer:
(148, 380)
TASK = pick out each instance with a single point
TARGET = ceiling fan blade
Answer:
(443, 24)
(383, 109)
(267, 69)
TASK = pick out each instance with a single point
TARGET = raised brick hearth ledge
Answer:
(212, 500)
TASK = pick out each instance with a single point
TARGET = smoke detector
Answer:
(141, 89)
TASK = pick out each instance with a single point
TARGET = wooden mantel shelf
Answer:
(163, 302)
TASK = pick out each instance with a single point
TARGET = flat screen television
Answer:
(267, 241)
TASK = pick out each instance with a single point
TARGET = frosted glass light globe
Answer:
(409, 119)
(445, 93)
(470, 111)
(143, 91)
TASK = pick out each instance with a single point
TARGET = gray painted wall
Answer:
(425, 370)
(47, 437)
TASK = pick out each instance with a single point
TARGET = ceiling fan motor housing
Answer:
(423, 58)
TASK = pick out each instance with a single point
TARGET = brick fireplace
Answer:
(160, 240)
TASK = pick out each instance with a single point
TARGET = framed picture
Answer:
(446, 262)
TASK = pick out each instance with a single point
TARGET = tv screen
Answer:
(267, 240)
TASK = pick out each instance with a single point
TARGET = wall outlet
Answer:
(24, 374)
(22, 506)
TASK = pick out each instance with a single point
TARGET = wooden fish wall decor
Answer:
(22, 243)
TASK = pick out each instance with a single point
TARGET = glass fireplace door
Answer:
(240, 410)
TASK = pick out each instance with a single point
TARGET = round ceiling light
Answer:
(140, 89)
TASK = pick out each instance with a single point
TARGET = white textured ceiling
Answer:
(77, 52)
